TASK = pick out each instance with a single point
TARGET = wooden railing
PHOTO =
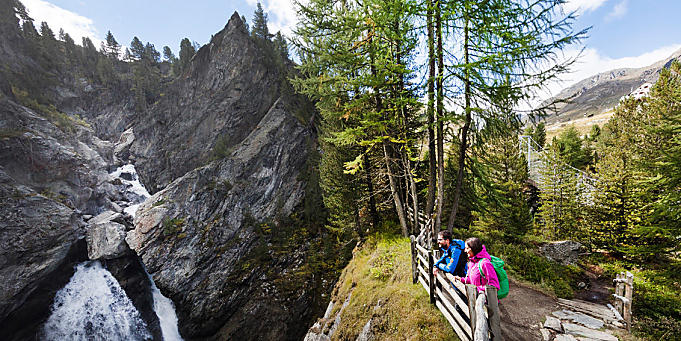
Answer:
(624, 289)
(454, 299)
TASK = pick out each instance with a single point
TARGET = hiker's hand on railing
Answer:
(457, 278)
(435, 271)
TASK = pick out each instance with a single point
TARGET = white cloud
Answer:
(593, 62)
(582, 6)
(75, 25)
(618, 11)
(281, 14)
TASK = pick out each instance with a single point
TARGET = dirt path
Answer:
(523, 310)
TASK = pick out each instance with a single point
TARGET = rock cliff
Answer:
(232, 234)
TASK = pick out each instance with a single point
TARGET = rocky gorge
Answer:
(230, 233)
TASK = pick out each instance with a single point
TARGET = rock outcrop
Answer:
(208, 238)
(565, 251)
(229, 152)
(229, 87)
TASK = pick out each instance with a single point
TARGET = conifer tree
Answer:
(168, 55)
(504, 43)
(187, 51)
(281, 45)
(260, 29)
(113, 48)
(360, 62)
(136, 48)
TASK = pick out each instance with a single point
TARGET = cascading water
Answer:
(93, 306)
(163, 306)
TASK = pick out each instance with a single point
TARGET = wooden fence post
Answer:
(494, 318)
(628, 293)
(414, 260)
(431, 282)
(471, 295)
(618, 291)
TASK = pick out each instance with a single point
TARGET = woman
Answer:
(479, 258)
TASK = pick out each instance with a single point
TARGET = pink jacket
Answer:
(473, 276)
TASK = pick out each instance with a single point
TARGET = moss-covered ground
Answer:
(379, 277)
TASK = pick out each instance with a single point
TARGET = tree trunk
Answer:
(440, 123)
(395, 192)
(464, 131)
(375, 220)
(430, 199)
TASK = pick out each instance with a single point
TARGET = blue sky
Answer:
(625, 33)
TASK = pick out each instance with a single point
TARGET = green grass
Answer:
(379, 277)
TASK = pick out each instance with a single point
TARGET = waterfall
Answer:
(165, 310)
(163, 306)
(93, 306)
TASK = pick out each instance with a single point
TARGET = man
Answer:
(453, 258)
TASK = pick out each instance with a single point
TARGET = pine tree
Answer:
(501, 187)
(260, 29)
(187, 51)
(136, 48)
(281, 45)
(505, 47)
(361, 65)
(539, 134)
(113, 48)
(168, 55)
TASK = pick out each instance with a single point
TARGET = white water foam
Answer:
(163, 306)
(93, 306)
(165, 310)
(133, 186)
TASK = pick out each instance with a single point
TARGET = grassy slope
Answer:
(379, 277)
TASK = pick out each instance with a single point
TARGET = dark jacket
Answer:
(450, 261)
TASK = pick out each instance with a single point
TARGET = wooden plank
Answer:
(431, 278)
(414, 260)
(451, 321)
(619, 292)
(589, 308)
(423, 273)
(457, 284)
(425, 285)
(421, 249)
(423, 260)
(494, 319)
(457, 298)
(471, 292)
(460, 321)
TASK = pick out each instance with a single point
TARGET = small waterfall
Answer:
(165, 310)
(163, 306)
(135, 192)
(93, 306)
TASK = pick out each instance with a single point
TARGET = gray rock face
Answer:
(579, 331)
(51, 177)
(580, 318)
(564, 252)
(220, 100)
(106, 237)
(553, 324)
(205, 237)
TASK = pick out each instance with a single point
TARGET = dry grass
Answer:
(582, 124)
(379, 277)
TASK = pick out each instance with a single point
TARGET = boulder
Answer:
(565, 252)
(106, 240)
